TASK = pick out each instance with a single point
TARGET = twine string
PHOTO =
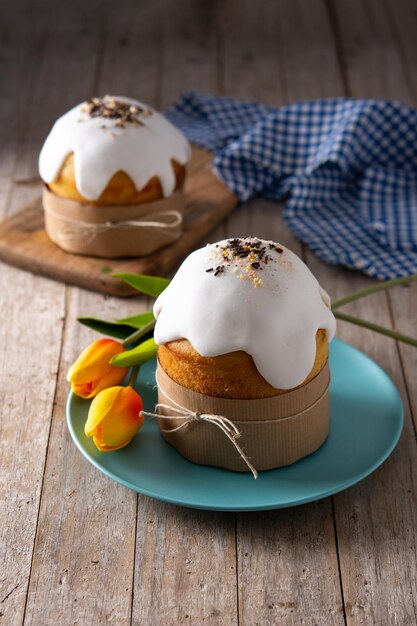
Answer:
(178, 412)
(225, 425)
(165, 221)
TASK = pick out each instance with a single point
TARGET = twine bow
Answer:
(179, 413)
(164, 221)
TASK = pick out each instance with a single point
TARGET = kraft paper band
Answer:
(113, 231)
(274, 431)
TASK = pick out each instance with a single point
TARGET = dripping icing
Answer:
(103, 146)
(271, 311)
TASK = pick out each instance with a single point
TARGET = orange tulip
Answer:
(92, 372)
(114, 418)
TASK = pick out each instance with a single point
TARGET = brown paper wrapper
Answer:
(113, 231)
(275, 431)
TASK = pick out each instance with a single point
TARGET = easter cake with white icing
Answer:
(243, 332)
(113, 150)
(113, 170)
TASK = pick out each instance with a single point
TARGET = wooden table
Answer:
(76, 548)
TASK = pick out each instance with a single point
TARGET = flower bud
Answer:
(114, 418)
(92, 371)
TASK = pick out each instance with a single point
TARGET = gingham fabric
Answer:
(347, 169)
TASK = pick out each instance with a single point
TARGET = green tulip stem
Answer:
(376, 328)
(386, 284)
(138, 333)
(133, 376)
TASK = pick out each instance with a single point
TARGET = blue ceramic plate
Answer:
(366, 423)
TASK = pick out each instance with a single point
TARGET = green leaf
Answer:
(137, 321)
(144, 352)
(113, 329)
(119, 328)
(150, 285)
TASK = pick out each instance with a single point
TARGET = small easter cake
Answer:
(114, 170)
(242, 333)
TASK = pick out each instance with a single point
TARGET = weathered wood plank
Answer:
(372, 62)
(287, 560)
(185, 569)
(53, 569)
(19, 60)
(306, 49)
(288, 568)
(83, 559)
(32, 314)
(403, 302)
(250, 65)
(70, 53)
(131, 59)
(30, 334)
(376, 521)
(402, 18)
(188, 49)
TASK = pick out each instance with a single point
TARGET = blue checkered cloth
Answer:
(347, 169)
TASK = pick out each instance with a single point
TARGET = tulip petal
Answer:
(105, 448)
(111, 378)
(123, 421)
(100, 407)
(114, 418)
(93, 361)
(87, 390)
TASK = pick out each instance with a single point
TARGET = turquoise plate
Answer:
(366, 423)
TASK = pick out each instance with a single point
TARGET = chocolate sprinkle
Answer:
(125, 113)
(252, 249)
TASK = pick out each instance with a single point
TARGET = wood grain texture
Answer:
(189, 50)
(82, 568)
(69, 65)
(287, 560)
(31, 341)
(84, 552)
(185, 566)
(19, 60)
(369, 51)
(63, 573)
(376, 521)
(402, 18)
(250, 65)
(32, 313)
(98, 553)
(131, 60)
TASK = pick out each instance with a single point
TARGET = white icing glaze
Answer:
(275, 322)
(140, 151)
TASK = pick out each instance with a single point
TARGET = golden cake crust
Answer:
(232, 375)
(120, 188)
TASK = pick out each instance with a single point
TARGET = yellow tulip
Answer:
(114, 418)
(92, 372)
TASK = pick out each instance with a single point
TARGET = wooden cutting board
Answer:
(24, 243)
